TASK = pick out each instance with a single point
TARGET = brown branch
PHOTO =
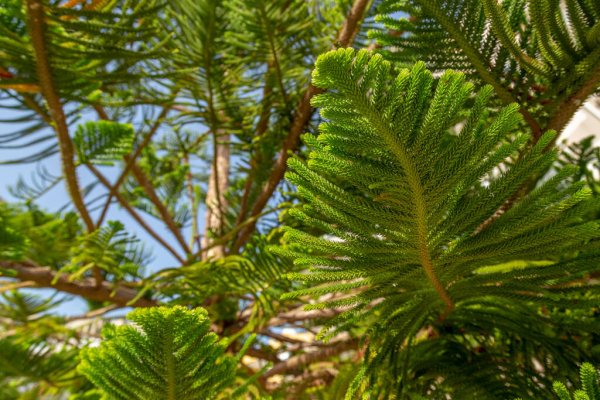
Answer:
(297, 363)
(261, 128)
(189, 179)
(21, 87)
(301, 119)
(567, 108)
(131, 159)
(87, 288)
(135, 215)
(148, 188)
(37, 27)
(96, 312)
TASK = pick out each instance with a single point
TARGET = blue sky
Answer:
(57, 198)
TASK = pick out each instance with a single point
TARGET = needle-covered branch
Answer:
(45, 277)
(300, 120)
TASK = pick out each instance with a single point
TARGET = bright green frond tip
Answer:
(169, 354)
(398, 192)
(590, 386)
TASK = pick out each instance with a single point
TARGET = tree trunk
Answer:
(216, 203)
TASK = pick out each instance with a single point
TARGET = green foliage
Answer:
(93, 52)
(393, 190)
(256, 273)
(169, 355)
(590, 386)
(12, 16)
(12, 244)
(426, 235)
(586, 157)
(101, 142)
(41, 182)
(542, 54)
(31, 233)
(109, 248)
(25, 307)
(92, 48)
(23, 364)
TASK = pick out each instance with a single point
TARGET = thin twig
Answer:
(131, 159)
(301, 119)
(189, 178)
(134, 214)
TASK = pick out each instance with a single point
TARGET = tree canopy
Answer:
(298, 199)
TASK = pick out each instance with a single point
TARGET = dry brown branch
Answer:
(86, 288)
(37, 31)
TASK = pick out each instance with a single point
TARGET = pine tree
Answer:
(377, 190)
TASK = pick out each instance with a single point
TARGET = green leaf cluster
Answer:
(103, 142)
(398, 187)
(169, 354)
(543, 54)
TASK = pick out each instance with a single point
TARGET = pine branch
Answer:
(134, 214)
(567, 108)
(480, 64)
(301, 119)
(37, 27)
(275, 62)
(169, 354)
(131, 159)
(44, 277)
(261, 127)
(148, 188)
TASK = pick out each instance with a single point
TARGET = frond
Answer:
(102, 142)
(12, 243)
(34, 362)
(44, 238)
(398, 216)
(23, 307)
(41, 182)
(169, 354)
(539, 53)
(109, 248)
(590, 385)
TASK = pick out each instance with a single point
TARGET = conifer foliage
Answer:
(590, 384)
(397, 202)
(540, 53)
(378, 190)
(170, 355)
